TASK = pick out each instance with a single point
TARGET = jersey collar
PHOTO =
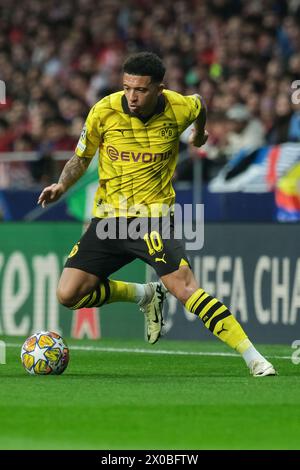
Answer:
(159, 108)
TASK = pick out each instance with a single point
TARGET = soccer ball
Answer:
(45, 353)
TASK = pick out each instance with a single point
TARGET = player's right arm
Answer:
(73, 170)
(86, 148)
(199, 135)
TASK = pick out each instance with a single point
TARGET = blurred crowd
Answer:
(57, 58)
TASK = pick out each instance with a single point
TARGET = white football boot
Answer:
(261, 368)
(153, 310)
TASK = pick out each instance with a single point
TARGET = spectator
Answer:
(58, 59)
(279, 132)
(6, 136)
(243, 131)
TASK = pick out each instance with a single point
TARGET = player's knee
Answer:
(184, 292)
(66, 297)
(182, 283)
(182, 289)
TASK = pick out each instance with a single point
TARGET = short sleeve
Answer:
(90, 137)
(194, 106)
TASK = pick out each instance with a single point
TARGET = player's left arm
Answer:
(199, 135)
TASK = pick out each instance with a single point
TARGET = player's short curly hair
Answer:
(145, 63)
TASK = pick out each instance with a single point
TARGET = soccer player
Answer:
(137, 132)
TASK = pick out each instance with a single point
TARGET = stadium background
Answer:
(56, 60)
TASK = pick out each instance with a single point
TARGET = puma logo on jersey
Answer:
(162, 259)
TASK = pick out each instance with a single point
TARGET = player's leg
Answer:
(84, 281)
(74, 285)
(216, 317)
(167, 256)
(138, 246)
(78, 289)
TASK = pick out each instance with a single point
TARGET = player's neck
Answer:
(149, 111)
(157, 108)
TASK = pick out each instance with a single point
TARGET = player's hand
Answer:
(197, 140)
(50, 194)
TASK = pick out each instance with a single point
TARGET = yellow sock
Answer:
(121, 291)
(217, 318)
(108, 291)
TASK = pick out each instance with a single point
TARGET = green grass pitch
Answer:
(130, 395)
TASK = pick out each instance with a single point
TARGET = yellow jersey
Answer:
(137, 157)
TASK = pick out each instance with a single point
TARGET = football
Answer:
(45, 353)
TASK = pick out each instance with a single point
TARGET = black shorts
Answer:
(110, 244)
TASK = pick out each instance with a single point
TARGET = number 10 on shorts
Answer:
(154, 242)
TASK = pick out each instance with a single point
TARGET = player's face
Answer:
(141, 93)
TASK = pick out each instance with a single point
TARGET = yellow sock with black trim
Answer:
(217, 318)
(107, 292)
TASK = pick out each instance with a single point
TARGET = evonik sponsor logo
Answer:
(136, 157)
